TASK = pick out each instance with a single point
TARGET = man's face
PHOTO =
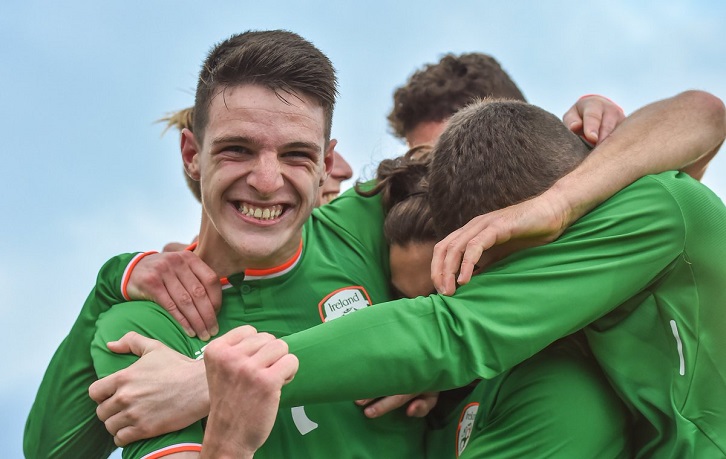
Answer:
(341, 172)
(260, 165)
(410, 268)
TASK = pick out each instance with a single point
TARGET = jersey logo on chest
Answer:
(466, 427)
(343, 301)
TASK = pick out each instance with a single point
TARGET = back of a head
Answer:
(276, 59)
(496, 153)
(437, 91)
(402, 184)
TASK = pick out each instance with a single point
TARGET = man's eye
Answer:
(236, 149)
(298, 155)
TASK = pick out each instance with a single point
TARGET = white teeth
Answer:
(267, 213)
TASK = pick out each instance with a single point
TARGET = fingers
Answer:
(611, 118)
(461, 251)
(260, 349)
(133, 343)
(195, 292)
(422, 405)
(573, 120)
(600, 116)
(286, 367)
(183, 285)
(386, 404)
(102, 390)
(591, 121)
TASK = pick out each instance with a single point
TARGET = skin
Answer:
(257, 153)
(410, 274)
(340, 172)
(425, 133)
(261, 163)
(189, 290)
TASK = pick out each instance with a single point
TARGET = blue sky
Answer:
(88, 174)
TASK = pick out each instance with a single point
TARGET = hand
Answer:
(421, 404)
(245, 371)
(594, 118)
(490, 237)
(183, 285)
(162, 392)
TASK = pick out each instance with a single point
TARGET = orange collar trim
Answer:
(277, 270)
(251, 274)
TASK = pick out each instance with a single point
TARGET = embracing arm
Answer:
(682, 132)
(504, 316)
(149, 320)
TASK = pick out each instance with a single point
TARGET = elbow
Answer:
(711, 107)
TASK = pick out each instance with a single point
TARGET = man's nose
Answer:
(266, 175)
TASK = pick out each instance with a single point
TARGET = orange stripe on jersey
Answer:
(276, 269)
(180, 448)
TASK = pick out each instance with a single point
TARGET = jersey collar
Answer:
(267, 273)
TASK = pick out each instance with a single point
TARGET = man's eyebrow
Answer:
(304, 145)
(233, 139)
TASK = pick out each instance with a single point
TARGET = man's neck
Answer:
(227, 260)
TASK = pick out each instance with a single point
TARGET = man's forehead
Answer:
(265, 112)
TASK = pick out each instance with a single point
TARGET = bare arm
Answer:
(680, 132)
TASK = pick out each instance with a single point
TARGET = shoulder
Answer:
(145, 317)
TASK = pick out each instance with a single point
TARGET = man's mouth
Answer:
(327, 197)
(260, 213)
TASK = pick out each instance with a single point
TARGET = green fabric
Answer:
(343, 267)
(555, 404)
(62, 422)
(651, 254)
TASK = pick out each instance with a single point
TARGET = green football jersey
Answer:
(62, 422)
(341, 268)
(642, 273)
(555, 404)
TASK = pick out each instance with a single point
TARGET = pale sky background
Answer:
(89, 175)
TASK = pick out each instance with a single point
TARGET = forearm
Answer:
(669, 134)
(219, 441)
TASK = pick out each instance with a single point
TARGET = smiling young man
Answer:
(260, 149)
(323, 268)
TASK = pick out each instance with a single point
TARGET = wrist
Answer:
(563, 206)
(202, 389)
(129, 269)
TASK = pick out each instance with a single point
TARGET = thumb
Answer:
(133, 343)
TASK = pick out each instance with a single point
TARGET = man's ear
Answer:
(190, 154)
(328, 160)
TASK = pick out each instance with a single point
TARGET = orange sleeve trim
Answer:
(127, 273)
(606, 98)
(180, 448)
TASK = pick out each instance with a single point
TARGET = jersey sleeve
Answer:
(150, 320)
(503, 316)
(62, 421)
(360, 219)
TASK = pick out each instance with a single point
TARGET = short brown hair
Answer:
(276, 59)
(437, 91)
(495, 153)
(183, 119)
